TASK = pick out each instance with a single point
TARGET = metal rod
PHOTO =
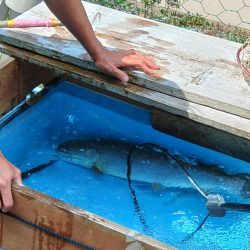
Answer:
(239, 207)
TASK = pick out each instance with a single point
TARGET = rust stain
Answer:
(123, 36)
(162, 43)
(158, 48)
(141, 22)
(40, 236)
(227, 62)
(62, 33)
(42, 240)
(114, 42)
(35, 232)
(101, 35)
(51, 241)
(136, 33)
(69, 224)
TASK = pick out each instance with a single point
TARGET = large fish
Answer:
(151, 165)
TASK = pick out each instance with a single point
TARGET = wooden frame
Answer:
(17, 78)
(66, 219)
(194, 67)
(193, 115)
(81, 225)
(77, 224)
(169, 114)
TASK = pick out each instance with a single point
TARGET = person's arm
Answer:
(72, 14)
(8, 173)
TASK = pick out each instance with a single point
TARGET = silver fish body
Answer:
(151, 165)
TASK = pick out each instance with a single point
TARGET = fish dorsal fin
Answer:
(97, 168)
(158, 187)
(218, 169)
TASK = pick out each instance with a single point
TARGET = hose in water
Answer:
(133, 193)
(216, 205)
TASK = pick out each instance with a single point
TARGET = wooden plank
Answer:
(206, 136)
(195, 67)
(81, 225)
(8, 84)
(17, 79)
(226, 122)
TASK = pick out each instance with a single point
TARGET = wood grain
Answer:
(226, 122)
(17, 78)
(195, 67)
(78, 224)
(9, 80)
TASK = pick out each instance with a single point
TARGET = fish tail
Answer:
(245, 192)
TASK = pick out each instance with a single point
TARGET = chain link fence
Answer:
(229, 12)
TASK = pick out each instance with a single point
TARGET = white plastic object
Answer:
(21, 6)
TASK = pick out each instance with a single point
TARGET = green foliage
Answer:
(123, 5)
(173, 3)
(149, 6)
(236, 37)
(176, 18)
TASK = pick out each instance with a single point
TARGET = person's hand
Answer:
(111, 61)
(8, 173)
(77, 22)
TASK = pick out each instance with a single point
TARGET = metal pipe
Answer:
(36, 94)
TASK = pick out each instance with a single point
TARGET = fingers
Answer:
(8, 174)
(16, 173)
(112, 70)
(139, 61)
(7, 200)
(149, 62)
(122, 76)
(111, 61)
(142, 65)
(144, 59)
(18, 177)
(145, 68)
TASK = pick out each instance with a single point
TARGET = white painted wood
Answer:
(224, 121)
(198, 68)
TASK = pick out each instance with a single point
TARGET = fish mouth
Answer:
(66, 154)
(68, 157)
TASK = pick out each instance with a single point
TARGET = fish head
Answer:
(78, 152)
